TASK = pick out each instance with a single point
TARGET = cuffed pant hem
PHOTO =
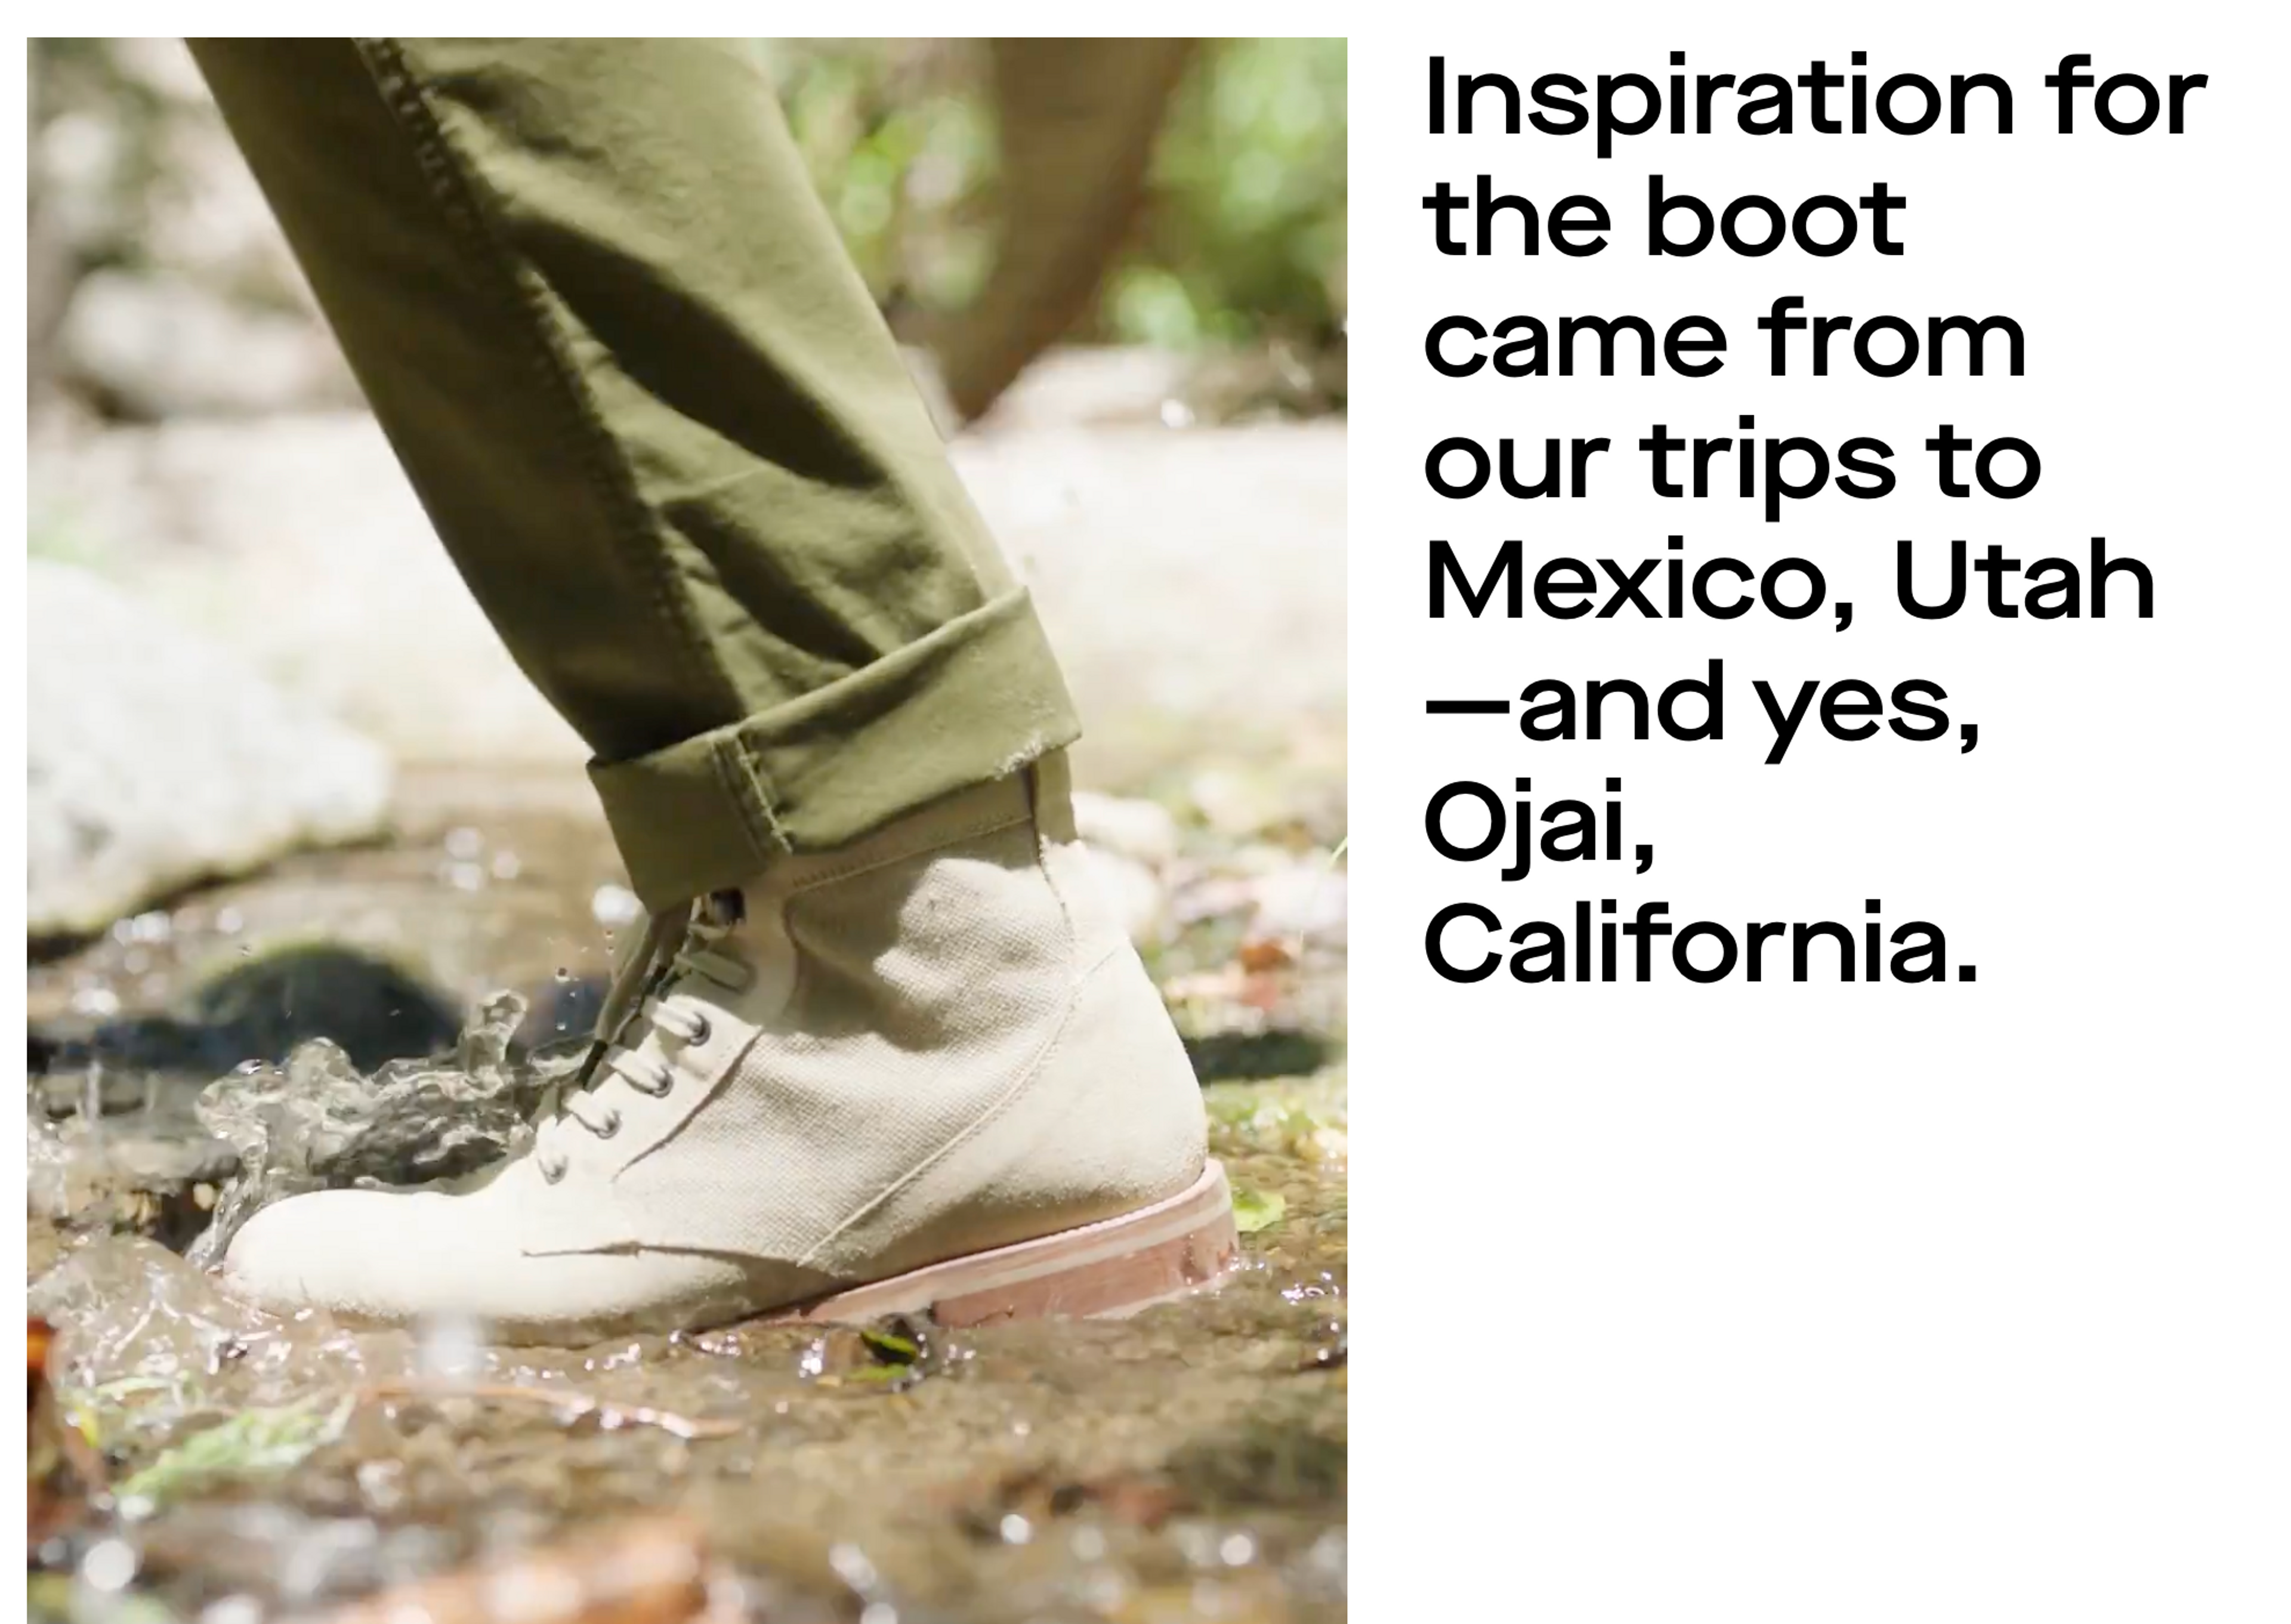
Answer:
(976, 700)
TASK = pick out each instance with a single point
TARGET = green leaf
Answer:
(892, 1346)
(1256, 1210)
(253, 1442)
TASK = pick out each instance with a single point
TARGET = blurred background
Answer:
(296, 822)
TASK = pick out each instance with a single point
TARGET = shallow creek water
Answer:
(1188, 1462)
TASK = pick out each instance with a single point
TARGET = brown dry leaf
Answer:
(1262, 954)
(63, 1468)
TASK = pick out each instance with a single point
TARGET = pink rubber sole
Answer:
(1106, 1269)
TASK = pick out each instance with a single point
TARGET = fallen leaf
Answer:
(63, 1467)
(251, 1444)
(1256, 1210)
(1262, 954)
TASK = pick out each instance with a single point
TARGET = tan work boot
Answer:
(923, 1073)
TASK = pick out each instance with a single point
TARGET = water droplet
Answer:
(110, 1566)
(852, 1567)
(239, 1609)
(1016, 1530)
(506, 865)
(1238, 1551)
(451, 1347)
(614, 905)
(464, 844)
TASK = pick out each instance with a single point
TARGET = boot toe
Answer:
(394, 1256)
(365, 1254)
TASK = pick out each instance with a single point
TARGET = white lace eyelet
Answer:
(552, 1171)
(701, 1031)
(610, 1126)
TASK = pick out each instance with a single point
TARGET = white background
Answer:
(1828, 1302)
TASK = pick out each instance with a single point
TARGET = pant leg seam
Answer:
(462, 194)
(744, 781)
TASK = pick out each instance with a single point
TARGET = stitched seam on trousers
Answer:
(465, 200)
(744, 781)
(1019, 1085)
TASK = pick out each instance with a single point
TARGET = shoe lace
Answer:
(648, 992)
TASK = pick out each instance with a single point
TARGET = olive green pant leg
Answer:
(652, 412)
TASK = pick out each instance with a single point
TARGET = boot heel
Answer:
(1114, 1268)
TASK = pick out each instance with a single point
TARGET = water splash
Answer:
(316, 1122)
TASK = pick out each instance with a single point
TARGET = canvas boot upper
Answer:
(934, 1042)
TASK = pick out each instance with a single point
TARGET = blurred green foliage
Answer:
(1243, 238)
(899, 138)
(1245, 235)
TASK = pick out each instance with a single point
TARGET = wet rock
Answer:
(157, 762)
(261, 1008)
(150, 1184)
